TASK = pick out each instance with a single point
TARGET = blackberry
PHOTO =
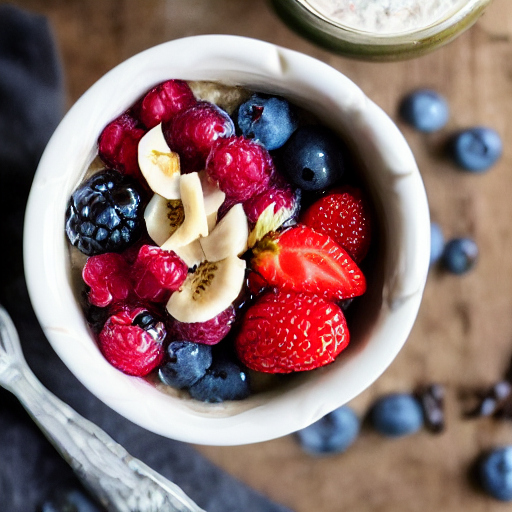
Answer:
(105, 214)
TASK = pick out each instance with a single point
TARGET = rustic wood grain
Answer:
(463, 335)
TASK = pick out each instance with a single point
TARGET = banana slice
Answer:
(208, 291)
(158, 164)
(229, 237)
(163, 217)
(192, 254)
(195, 223)
(213, 199)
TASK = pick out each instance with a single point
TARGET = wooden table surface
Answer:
(463, 335)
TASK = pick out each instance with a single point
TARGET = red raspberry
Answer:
(108, 276)
(344, 215)
(157, 273)
(118, 144)
(284, 332)
(241, 167)
(164, 101)
(193, 131)
(132, 341)
(209, 332)
(281, 193)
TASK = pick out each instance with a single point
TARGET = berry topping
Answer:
(495, 473)
(436, 243)
(186, 363)
(314, 158)
(268, 120)
(132, 341)
(460, 255)
(157, 273)
(105, 214)
(284, 332)
(344, 216)
(209, 332)
(118, 144)
(193, 131)
(333, 433)
(164, 101)
(108, 276)
(425, 110)
(476, 149)
(397, 414)
(303, 260)
(241, 167)
(224, 380)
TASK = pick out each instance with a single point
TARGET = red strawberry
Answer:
(343, 215)
(286, 332)
(302, 260)
(132, 341)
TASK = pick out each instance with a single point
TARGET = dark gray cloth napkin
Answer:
(31, 471)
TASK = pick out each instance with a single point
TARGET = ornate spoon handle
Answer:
(120, 482)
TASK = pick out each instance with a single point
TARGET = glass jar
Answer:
(380, 29)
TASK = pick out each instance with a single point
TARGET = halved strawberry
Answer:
(303, 260)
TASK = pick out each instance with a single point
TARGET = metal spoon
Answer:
(120, 482)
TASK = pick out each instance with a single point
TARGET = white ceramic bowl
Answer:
(384, 316)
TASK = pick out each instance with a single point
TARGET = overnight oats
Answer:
(380, 29)
(218, 240)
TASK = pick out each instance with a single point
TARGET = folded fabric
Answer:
(31, 472)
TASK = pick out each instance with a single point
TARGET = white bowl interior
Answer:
(384, 317)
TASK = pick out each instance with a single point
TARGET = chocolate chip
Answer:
(431, 398)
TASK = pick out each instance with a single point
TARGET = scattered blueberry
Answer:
(224, 380)
(495, 472)
(314, 158)
(270, 120)
(425, 110)
(476, 149)
(397, 414)
(73, 500)
(187, 362)
(105, 214)
(436, 243)
(333, 433)
(460, 255)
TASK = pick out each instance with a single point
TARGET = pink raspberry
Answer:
(157, 273)
(164, 101)
(132, 341)
(193, 131)
(286, 199)
(108, 276)
(241, 167)
(209, 332)
(118, 144)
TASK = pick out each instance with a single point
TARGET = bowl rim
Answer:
(260, 418)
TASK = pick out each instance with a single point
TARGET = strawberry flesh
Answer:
(302, 260)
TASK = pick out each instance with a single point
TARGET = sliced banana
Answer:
(213, 199)
(192, 254)
(158, 164)
(208, 291)
(229, 237)
(195, 223)
(163, 217)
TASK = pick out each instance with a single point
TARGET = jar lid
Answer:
(380, 29)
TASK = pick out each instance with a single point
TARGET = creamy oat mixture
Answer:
(385, 16)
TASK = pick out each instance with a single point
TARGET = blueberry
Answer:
(460, 255)
(436, 243)
(314, 158)
(224, 380)
(397, 414)
(425, 110)
(187, 362)
(476, 149)
(269, 120)
(333, 433)
(105, 214)
(495, 472)
(72, 500)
